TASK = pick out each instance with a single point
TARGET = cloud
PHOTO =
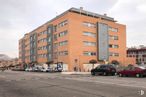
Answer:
(132, 13)
(20, 17)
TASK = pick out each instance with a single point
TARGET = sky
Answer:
(18, 17)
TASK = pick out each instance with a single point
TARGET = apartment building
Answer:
(139, 53)
(10, 62)
(75, 37)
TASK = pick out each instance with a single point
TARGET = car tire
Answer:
(114, 74)
(138, 75)
(104, 73)
(93, 73)
(120, 75)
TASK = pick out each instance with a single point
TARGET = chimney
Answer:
(105, 14)
(81, 8)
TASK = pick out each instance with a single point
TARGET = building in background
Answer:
(139, 53)
(9, 63)
(74, 38)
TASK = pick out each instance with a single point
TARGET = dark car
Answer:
(104, 70)
(133, 71)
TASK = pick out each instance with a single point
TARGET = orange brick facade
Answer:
(72, 38)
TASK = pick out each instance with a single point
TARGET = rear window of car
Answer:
(142, 67)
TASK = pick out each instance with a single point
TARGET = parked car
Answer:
(133, 71)
(46, 69)
(28, 69)
(37, 68)
(58, 69)
(105, 69)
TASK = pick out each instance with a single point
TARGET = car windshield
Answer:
(102, 66)
(97, 67)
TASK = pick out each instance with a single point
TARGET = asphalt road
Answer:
(29, 84)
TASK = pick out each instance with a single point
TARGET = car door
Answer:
(126, 72)
(102, 69)
(97, 70)
(131, 71)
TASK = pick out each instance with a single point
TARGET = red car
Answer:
(133, 71)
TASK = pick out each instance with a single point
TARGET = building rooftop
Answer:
(136, 49)
(88, 13)
(82, 12)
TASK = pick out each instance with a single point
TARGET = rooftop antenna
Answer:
(105, 14)
(81, 9)
(93, 15)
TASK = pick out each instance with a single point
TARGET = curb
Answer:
(75, 73)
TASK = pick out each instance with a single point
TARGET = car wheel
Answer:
(104, 73)
(92, 73)
(138, 75)
(120, 75)
(114, 74)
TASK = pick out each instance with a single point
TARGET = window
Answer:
(49, 39)
(113, 37)
(110, 46)
(34, 44)
(62, 33)
(45, 47)
(42, 48)
(42, 40)
(49, 56)
(41, 33)
(55, 55)
(49, 47)
(42, 55)
(55, 45)
(113, 54)
(113, 29)
(62, 43)
(63, 23)
(86, 43)
(31, 38)
(63, 53)
(88, 53)
(113, 46)
(34, 37)
(55, 28)
(55, 37)
(49, 30)
(103, 67)
(89, 34)
(88, 24)
(38, 48)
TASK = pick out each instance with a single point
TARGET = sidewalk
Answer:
(75, 73)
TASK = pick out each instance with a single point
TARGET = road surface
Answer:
(31, 84)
